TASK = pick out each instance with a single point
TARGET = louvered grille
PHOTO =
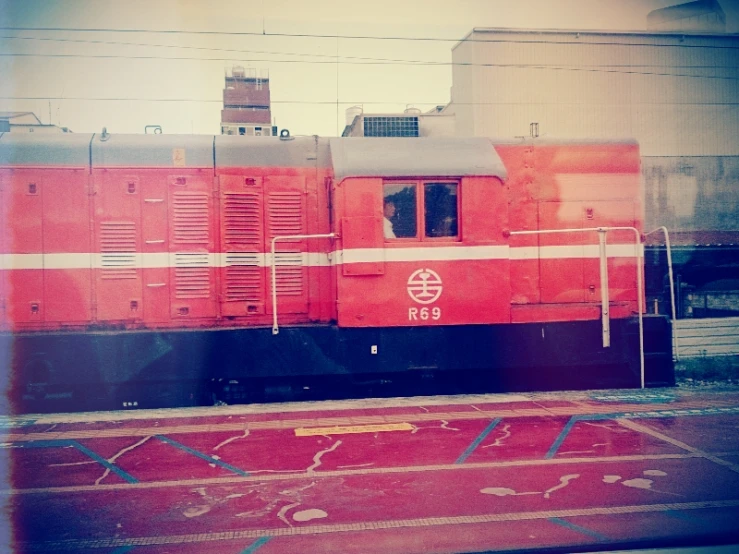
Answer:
(285, 213)
(118, 249)
(242, 224)
(192, 275)
(286, 218)
(191, 218)
(244, 276)
(289, 273)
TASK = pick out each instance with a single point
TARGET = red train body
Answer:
(162, 239)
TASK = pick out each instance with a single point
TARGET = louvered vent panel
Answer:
(285, 213)
(192, 275)
(244, 277)
(118, 249)
(286, 218)
(191, 217)
(289, 273)
(242, 222)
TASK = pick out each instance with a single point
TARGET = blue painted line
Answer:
(202, 456)
(562, 436)
(46, 444)
(477, 441)
(112, 467)
(578, 529)
(256, 544)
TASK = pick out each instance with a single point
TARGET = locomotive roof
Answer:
(52, 149)
(115, 150)
(415, 157)
(243, 151)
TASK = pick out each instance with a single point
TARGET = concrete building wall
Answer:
(676, 94)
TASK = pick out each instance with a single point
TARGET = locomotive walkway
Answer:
(444, 474)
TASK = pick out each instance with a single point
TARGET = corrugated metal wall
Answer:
(699, 338)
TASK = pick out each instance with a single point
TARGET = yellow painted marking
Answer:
(76, 545)
(351, 429)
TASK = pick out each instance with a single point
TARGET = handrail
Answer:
(275, 328)
(639, 268)
(676, 355)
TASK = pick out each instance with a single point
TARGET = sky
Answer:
(122, 78)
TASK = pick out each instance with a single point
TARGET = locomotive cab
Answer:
(422, 232)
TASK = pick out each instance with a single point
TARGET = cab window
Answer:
(399, 209)
(421, 210)
(440, 209)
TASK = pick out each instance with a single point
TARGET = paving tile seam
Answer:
(288, 424)
(78, 544)
(299, 475)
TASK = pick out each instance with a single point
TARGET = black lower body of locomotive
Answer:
(135, 369)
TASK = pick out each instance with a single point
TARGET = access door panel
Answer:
(118, 241)
(284, 217)
(191, 238)
(23, 242)
(242, 245)
(67, 247)
(155, 247)
(561, 254)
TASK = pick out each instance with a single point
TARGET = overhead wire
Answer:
(368, 37)
(332, 62)
(332, 57)
(310, 102)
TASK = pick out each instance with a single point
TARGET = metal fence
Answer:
(697, 338)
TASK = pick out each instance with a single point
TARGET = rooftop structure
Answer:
(246, 103)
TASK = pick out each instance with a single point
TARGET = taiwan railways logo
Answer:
(424, 286)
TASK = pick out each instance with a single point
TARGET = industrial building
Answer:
(246, 104)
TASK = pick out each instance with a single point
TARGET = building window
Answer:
(242, 130)
(438, 216)
(399, 211)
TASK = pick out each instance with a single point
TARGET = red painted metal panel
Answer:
(622, 281)
(562, 278)
(67, 241)
(244, 277)
(285, 215)
(484, 211)
(192, 235)
(425, 292)
(426, 281)
(523, 192)
(24, 209)
(155, 247)
(4, 232)
(361, 224)
(117, 223)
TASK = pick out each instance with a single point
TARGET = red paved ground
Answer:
(465, 476)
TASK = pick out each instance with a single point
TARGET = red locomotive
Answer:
(140, 268)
